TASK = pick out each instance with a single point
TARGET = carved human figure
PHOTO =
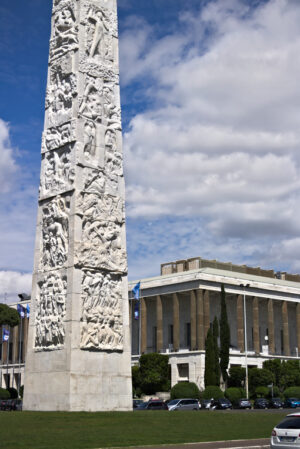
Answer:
(91, 105)
(89, 140)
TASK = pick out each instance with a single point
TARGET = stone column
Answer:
(298, 328)
(176, 328)
(285, 323)
(240, 323)
(200, 321)
(206, 307)
(256, 336)
(193, 321)
(271, 332)
(159, 323)
(143, 326)
(16, 344)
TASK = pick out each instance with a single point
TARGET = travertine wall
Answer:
(79, 342)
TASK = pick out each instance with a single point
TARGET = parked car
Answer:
(11, 404)
(244, 403)
(292, 403)
(136, 402)
(222, 404)
(205, 404)
(153, 404)
(261, 403)
(276, 403)
(183, 404)
(286, 433)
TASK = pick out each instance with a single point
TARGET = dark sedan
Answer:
(276, 403)
(261, 403)
(152, 405)
(222, 404)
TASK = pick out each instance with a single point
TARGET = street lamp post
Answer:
(245, 340)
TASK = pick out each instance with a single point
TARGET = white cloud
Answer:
(12, 283)
(221, 140)
(8, 166)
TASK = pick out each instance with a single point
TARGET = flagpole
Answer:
(7, 352)
(20, 342)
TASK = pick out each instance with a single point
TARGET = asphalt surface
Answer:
(237, 444)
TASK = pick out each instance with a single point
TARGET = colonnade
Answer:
(200, 321)
(14, 340)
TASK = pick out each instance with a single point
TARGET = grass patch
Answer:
(50, 430)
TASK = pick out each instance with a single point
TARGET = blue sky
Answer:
(211, 116)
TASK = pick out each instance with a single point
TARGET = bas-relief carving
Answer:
(55, 233)
(65, 34)
(92, 206)
(60, 95)
(101, 322)
(58, 174)
(57, 137)
(101, 246)
(50, 312)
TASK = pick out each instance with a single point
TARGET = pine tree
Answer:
(224, 337)
(216, 350)
(210, 372)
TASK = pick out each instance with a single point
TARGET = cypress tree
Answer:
(216, 350)
(210, 372)
(224, 337)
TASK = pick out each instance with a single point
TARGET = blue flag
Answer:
(27, 311)
(21, 310)
(136, 291)
(5, 335)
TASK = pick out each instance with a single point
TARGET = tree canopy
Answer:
(8, 316)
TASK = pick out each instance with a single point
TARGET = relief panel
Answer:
(65, 31)
(58, 171)
(101, 322)
(55, 233)
(57, 137)
(50, 312)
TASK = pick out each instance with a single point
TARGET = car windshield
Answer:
(290, 422)
(173, 402)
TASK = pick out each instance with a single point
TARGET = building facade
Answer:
(177, 308)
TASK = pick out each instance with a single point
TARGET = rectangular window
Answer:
(281, 341)
(10, 352)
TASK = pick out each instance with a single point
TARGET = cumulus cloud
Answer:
(13, 283)
(8, 167)
(221, 137)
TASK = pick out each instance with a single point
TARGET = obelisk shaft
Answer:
(79, 349)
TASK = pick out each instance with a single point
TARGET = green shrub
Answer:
(21, 391)
(237, 376)
(185, 390)
(262, 392)
(13, 393)
(292, 392)
(234, 394)
(276, 392)
(154, 373)
(212, 392)
(4, 394)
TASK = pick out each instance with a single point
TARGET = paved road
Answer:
(237, 444)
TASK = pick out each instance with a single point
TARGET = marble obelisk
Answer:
(78, 354)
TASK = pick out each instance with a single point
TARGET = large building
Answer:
(178, 307)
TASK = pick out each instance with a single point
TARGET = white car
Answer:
(286, 434)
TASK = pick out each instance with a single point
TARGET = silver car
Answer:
(183, 404)
(286, 435)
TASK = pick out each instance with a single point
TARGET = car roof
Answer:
(297, 414)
